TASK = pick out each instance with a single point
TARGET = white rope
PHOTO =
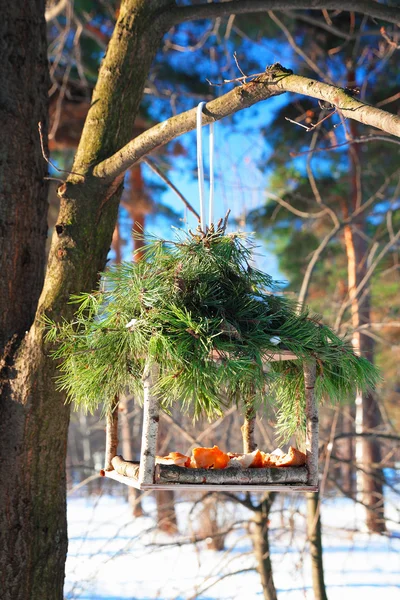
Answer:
(211, 200)
(200, 167)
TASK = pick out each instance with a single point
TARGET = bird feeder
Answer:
(147, 475)
(192, 321)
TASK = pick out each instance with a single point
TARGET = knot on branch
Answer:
(276, 70)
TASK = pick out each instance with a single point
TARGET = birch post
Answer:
(111, 435)
(247, 429)
(151, 417)
(312, 426)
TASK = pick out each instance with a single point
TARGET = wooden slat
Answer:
(210, 488)
(236, 476)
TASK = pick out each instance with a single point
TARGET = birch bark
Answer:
(151, 417)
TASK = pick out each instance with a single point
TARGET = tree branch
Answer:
(275, 81)
(213, 10)
(366, 278)
(169, 183)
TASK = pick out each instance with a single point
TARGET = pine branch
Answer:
(197, 308)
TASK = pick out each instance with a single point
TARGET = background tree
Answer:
(356, 186)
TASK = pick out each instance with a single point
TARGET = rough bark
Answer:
(23, 191)
(261, 546)
(315, 540)
(34, 419)
(33, 422)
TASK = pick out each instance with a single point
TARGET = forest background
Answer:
(320, 190)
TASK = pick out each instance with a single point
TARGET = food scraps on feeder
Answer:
(215, 458)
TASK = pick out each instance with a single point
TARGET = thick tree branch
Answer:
(275, 81)
(212, 10)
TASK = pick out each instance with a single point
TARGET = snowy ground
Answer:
(115, 557)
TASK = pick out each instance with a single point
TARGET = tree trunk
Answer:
(33, 419)
(23, 190)
(369, 479)
(165, 499)
(261, 546)
(367, 417)
(260, 519)
(315, 539)
(345, 449)
(33, 416)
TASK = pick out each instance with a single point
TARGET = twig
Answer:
(46, 158)
(366, 277)
(311, 127)
(306, 127)
(317, 253)
(235, 79)
(238, 66)
(361, 140)
(297, 48)
(169, 183)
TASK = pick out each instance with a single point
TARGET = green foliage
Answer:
(198, 308)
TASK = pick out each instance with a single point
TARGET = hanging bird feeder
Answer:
(197, 324)
(148, 475)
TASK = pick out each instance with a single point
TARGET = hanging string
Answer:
(200, 167)
(211, 200)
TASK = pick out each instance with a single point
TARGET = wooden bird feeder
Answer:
(147, 475)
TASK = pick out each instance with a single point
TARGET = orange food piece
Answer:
(209, 458)
(174, 458)
(270, 460)
(293, 458)
(257, 460)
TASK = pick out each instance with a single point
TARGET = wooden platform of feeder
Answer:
(146, 475)
(285, 479)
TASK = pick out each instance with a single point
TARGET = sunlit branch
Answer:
(275, 81)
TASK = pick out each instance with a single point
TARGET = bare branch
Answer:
(299, 213)
(56, 9)
(361, 140)
(310, 267)
(366, 277)
(276, 80)
(297, 48)
(378, 434)
(169, 183)
(221, 9)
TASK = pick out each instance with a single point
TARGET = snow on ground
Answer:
(115, 557)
